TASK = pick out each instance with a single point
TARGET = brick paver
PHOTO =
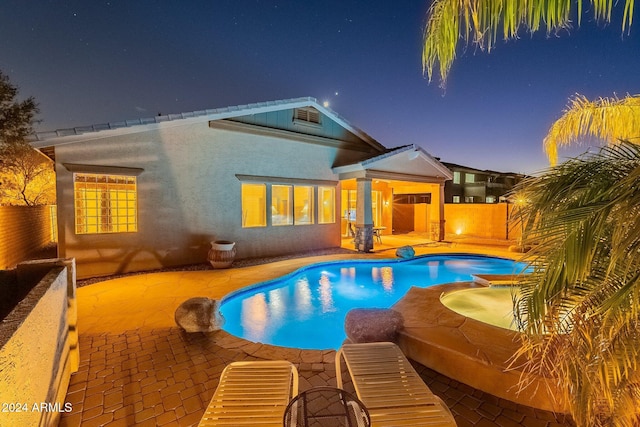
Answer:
(165, 377)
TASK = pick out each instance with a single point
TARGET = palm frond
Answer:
(607, 119)
(480, 21)
(579, 309)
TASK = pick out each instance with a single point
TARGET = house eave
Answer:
(284, 134)
(391, 176)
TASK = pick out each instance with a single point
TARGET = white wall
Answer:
(188, 195)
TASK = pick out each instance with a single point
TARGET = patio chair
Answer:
(377, 234)
(254, 393)
(391, 390)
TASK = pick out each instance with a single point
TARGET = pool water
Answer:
(306, 309)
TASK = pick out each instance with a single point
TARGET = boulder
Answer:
(199, 314)
(373, 325)
(405, 252)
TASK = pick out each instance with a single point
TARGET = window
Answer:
(349, 198)
(490, 199)
(308, 115)
(456, 177)
(456, 199)
(254, 197)
(303, 204)
(468, 199)
(105, 203)
(326, 205)
(281, 205)
(290, 204)
(469, 178)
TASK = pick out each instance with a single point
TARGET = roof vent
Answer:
(307, 115)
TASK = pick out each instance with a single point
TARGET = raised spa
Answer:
(306, 309)
(492, 305)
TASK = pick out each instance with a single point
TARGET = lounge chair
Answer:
(391, 390)
(252, 393)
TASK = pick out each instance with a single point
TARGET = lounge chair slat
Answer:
(390, 388)
(252, 394)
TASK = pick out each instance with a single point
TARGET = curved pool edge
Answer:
(269, 282)
(467, 350)
(274, 352)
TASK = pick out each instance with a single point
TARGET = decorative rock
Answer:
(199, 314)
(405, 252)
(373, 324)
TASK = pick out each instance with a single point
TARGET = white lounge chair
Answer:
(252, 393)
(391, 390)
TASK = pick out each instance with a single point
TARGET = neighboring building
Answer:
(276, 177)
(471, 185)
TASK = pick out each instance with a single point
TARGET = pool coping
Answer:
(467, 350)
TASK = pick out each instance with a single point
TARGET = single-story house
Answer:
(275, 177)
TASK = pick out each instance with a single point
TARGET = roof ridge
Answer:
(79, 130)
(388, 153)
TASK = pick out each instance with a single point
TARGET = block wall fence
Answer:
(486, 221)
(23, 231)
(26, 229)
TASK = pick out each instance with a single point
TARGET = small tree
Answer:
(16, 118)
(26, 176)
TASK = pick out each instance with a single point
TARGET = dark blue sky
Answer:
(95, 61)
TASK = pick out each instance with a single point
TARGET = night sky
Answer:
(93, 61)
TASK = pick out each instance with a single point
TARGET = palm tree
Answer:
(480, 21)
(580, 308)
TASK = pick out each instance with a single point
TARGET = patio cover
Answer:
(398, 166)
(407, 163)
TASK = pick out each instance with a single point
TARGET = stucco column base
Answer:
(364, 237)
(437, 230)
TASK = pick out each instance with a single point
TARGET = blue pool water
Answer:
(306, 309)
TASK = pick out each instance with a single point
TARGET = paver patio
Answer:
(138, 368)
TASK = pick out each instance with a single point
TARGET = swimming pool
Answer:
(306, 309)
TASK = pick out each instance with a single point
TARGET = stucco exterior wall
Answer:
(487, 221)
(23, 230)
(38, 349)
(189, 195)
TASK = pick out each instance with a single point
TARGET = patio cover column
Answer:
(364, 217)
(442, 220)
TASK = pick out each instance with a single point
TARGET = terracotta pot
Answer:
(222, 253)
